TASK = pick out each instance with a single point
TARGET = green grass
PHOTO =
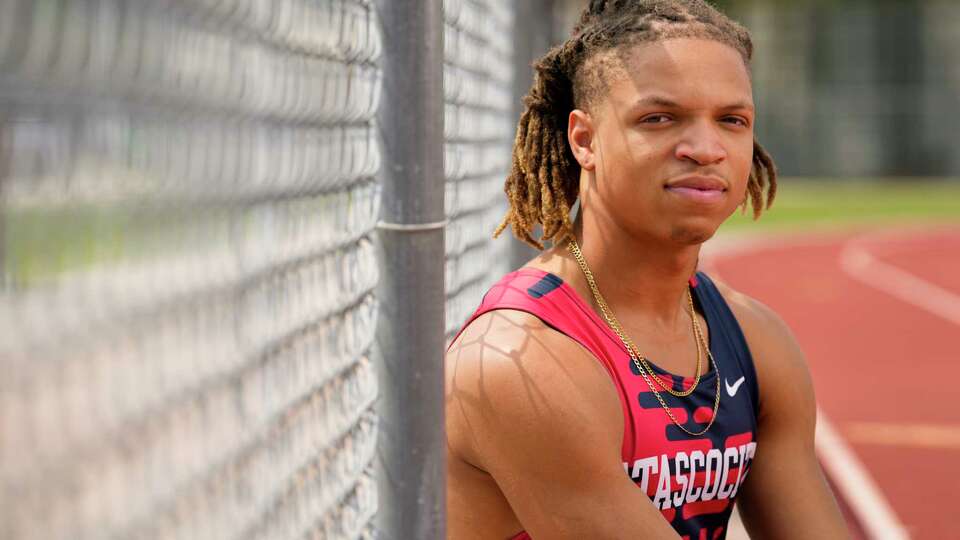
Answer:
(802, 204)
(43, 243)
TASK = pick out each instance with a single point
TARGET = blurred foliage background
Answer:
(859, 103)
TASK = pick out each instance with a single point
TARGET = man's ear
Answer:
(580, 137)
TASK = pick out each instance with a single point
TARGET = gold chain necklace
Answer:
(631, 347)
(639, 360)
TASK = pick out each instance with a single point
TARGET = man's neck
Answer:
(638, 276)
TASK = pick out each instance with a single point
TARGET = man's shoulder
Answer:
(779, 361)
(504, 327)
(759, 322)
(518, 343)
(510, 368)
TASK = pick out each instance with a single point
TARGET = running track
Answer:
(878, 315)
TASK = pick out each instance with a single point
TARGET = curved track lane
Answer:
(883, 352)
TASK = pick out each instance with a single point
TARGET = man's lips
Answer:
(698, 188)
(703, 183)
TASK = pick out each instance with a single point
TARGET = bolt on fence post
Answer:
(410, 333)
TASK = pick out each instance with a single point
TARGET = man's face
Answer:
(672, 140)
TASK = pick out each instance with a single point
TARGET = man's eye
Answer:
(655, 119)
(736, 120)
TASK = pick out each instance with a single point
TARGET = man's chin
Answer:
(693, 234)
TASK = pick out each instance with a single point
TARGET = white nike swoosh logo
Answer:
(732, 390)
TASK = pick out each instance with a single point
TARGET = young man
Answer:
(606, 374)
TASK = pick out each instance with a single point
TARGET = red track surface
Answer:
(876, 360)
(925, 257)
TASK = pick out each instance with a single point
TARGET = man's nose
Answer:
(702, 144)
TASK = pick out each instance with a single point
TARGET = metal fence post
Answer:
(410, 333)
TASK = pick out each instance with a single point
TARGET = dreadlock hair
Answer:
(543, 182)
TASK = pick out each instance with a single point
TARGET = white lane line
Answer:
(938, 436)
(862, 266)
(857, 487)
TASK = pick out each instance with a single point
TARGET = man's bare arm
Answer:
(786, 495)
(539, 413)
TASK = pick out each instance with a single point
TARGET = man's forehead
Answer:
(667, 74)
(676, 54)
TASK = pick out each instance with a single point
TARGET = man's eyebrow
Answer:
(661, 101)
(656, 101)
(738, 105)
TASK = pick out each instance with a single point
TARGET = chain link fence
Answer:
(186, 198)
(479, 127)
